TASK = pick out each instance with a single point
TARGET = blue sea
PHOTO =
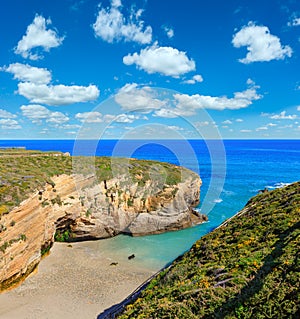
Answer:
(232, 171)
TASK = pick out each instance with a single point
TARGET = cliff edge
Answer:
(71, 206)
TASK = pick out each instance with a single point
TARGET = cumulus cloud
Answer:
(283, 116)
(165, 112)
(38, 36)
(245, 131)
(164, 60)
(126, 118)
(36, 113)
(35, 87)
(112, 26)
(294, 23)
(196, 78)
(239, 120)
(97, 117)
(7, 115)
(27, 73)
(133, 98)
(90, 117)
(227, 122)
(9, 124)
(57, 94)
(262, 128)
(188, 104)
(260, 43)
(169, 32)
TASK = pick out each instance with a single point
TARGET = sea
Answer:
(232, 171)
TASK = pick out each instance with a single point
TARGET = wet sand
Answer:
(74, 282)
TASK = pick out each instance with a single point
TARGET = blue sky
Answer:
(149, 69)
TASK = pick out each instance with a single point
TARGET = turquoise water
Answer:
(245, 167)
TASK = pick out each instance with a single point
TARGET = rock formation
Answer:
(78, 207)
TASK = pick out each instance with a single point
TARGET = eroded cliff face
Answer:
(81, 208)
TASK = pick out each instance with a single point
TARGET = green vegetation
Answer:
(23, 172)
(247, 268)
(45, 249)
(27, 172)
(63, 236)
(6, 244)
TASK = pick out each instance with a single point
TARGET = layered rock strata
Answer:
(77, 207)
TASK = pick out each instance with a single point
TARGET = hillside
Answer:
(247, 268)
(53, 196)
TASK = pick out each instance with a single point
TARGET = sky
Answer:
(149, 69)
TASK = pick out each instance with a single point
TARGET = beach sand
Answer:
(74, 282)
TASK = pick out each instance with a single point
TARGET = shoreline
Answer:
(74, 282)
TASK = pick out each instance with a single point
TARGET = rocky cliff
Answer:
(79, 207)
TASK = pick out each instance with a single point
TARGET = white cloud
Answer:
(97, 117)
(175, 128)
(187, 104)
(9, 124)
(35, 87)
(38, 36)
(261, 44)
(283, 116)
(201, 124)
(57, 94)
(90, 117)
(169, 32)
(196, 78)
(239, 120)
(245, 131)
(132, 98)
(164, 60)
(164, 112)
(111, 25)
(262, 128)
(271, 124)
(27, 73)
(116, 3)
(227, 122)
(37, 113)
(57, 118)
(70, 126)
(294, 23)
(126, 118)
(298, 108)
(7, 115)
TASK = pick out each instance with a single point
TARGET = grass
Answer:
(23, 172)
(248, 268)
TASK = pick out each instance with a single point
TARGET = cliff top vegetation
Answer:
(24, 171)
(247, 268)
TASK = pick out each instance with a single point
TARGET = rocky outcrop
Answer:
(77, 207)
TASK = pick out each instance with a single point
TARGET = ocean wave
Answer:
(218, 200)
(277, 185)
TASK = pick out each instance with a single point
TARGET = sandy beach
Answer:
(74, 282)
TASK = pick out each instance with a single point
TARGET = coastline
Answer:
(77, 281)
